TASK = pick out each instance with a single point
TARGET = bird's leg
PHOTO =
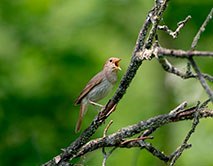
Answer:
(96, 104)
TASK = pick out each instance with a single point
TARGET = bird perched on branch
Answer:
(98, 88)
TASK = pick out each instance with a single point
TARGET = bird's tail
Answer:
(83, 110)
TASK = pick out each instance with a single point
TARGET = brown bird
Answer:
(98, 88)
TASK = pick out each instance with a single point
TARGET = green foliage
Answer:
(49, 50)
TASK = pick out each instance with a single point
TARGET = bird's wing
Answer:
(91, 84)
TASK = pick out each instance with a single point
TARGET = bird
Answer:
(97, 88)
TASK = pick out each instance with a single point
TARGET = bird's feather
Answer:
(91, 84)
(83, 108)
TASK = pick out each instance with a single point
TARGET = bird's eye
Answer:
(110, 60)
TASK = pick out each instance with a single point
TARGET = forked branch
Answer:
(145, 49)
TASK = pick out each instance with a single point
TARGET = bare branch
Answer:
(194, 44)
(148, 146)
(171, 69)
(107, 155)
(148, 132)
(180, 53)
(156, 20)
(167, 66)
(155, 122)
(202, 80)
(177, 153)
(143, 32)
(202, 28)
(103, 149)
(106, 129)
(187, 146)
(206, 76)
(143, 50)
(179, 108)
(155, 152)
(180, 25)
(136, 139)
(184, 144)
(177, 114)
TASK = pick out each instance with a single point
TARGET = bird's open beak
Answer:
(117, 64)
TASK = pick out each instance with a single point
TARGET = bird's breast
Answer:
(100, 91)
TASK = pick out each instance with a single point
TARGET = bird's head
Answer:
(112, 63)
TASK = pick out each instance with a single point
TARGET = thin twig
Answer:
(156, 21)
(176, 32)
(143, 32)
(173, 154)
(167, 66)
(201, 78)
(208, 77)
(136, 139)
(148, 146)
(180, 53)
(179, 108)
(147, 132)
(202, 28)
(103, 149)
(155, 152)
(106, 129)
(184, 144)
(193, 46)
(107, 155)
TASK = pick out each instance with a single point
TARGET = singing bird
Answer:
(98, 88)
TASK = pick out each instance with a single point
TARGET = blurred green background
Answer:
(49, 50)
